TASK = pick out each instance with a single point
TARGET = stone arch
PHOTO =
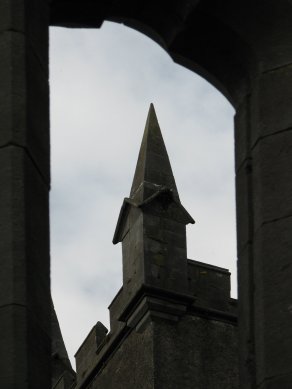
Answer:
(231, 56)
(244, 49)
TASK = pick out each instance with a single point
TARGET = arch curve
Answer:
(244, 49)
(226, 43)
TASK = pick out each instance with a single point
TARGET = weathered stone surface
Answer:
(210, 285)
(24, 197)
(242, 133)
(86, 356)
(272, 40)
(66, 381)
(12, 351)
(24, 100)
(30, 19)
(131, 365)
(24, 181)
(25, 280)
(37, 22)
(244, 204)
(195, 353)
(273, 291)
(269, 101)
(38, 352)
(282, 381)
(19, 327)
(246, 339)
(173, 355)
(153, 166)
(133, 269)
(12, 15)
(272, 171)
(165, 257)
(263, 196)
(115, 309)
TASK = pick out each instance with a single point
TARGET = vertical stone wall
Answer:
(264, 210)
(25, 348)
(195, 353)
(131, 366)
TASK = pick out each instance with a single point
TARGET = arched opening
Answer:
(102, 82)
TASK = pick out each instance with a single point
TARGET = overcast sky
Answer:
(102, 83)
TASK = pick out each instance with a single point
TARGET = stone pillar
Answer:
(263, 134)
(25, 345)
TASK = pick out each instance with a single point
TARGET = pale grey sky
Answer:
(102, 82)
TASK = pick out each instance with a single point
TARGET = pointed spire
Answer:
(152, 222)
(153, 167)
(153, 181)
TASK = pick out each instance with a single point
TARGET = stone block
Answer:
(242, 133)
(38, 121)
(24, 100)
(270, 100)
(12, 228)
(115, 310)
(39, 353)
(31, 19)
(86, 356)
(272, 34)
(165, 266)
(195, 353)
(209, 284)
(37, 245)
(136, 370)
(244, 203)
(37, 29)
(172, 226)
(273, 296)
(24, 347)
(13, 356)
(169, 354)
(12, 15)
(283, 382)
(24, 244)
(13, 88)
(133, 256)
(151, 309)
(12, 240)
(66, 381)
(246, 316)
(272, 167)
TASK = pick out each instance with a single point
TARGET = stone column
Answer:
(263, 132)
(25, 345)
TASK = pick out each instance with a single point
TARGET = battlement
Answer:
(208, 298)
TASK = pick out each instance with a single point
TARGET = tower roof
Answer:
(153, 169)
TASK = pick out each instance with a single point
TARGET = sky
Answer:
(102, 83)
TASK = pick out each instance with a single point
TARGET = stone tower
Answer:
(173, 323)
